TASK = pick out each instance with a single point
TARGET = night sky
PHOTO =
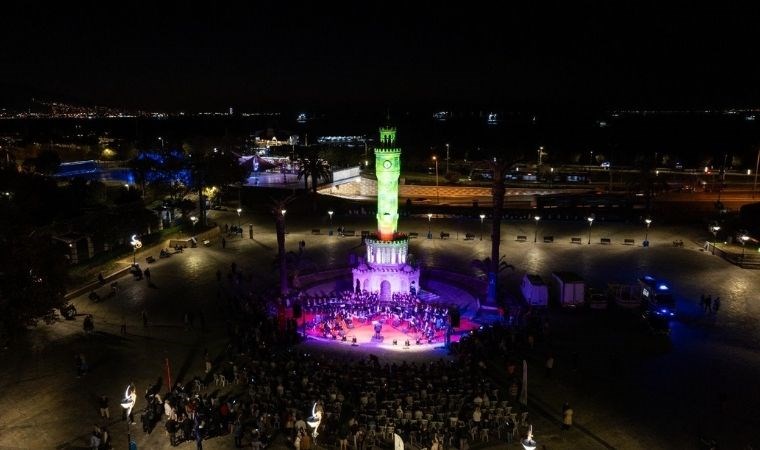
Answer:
(254, 57)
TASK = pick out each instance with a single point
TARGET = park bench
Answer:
(548, 239)
(444, 235)
(605, 241)
(628, 242)
(522, 238)
(315, 231)
(150, 259)
(349, 232)
(575, 240)
(469, 236)
(413, 235)
(365, 233)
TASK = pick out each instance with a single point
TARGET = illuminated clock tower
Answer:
(385, 270)
(388, 169)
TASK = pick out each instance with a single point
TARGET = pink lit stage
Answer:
(364, 332)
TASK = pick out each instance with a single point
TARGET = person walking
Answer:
(708, 303)
(144, 315)
(716, 304)
(567, 416)
(147, 274)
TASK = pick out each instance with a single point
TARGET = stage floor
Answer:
(364, 332)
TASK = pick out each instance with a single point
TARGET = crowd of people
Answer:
(263, 385)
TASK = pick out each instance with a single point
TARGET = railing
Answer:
(745, 261)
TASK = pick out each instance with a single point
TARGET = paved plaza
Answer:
(629, 390)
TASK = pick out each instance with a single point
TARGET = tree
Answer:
(214, 168)
(313, 165)
(498, 190)
(32, 281)
(47, 162)
(277, 208)
(142, 165)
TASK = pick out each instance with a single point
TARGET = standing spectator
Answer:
(104, 410)
(708, 303)
(147, 273)
(716, 304)
(549, 365)
(567, 416)
(237, 431)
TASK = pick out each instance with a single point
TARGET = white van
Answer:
(534, 290)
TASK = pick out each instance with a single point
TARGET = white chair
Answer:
(222, 380)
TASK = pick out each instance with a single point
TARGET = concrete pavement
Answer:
(663, 396)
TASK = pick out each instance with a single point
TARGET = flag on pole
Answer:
(524, 390)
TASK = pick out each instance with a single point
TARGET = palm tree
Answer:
(498, 190)
(277, 208)
(314, 166)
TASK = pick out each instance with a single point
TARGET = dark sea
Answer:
(693, 139)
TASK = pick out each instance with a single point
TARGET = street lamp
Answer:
(648, 221)
(447, 158)
(162, 142)
(744, 238)
(239, 210)
(430, 233)
(714, 230)
(482, 216)
(330, 213)
(535, 232)
(135, 245)
(283, 220)
(590, 221)
(194, 220)
(437, 191)
(128, 403)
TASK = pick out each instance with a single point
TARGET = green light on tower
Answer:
(387, 169)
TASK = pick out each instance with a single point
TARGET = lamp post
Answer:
(330, 213)
(482, 217)
(590, 221)
(239, 210)
(437, 191)
(447, 157)
(648, 221)
(430, 232)
(714, 230)
(135, 245)
(162, 142)
(744, 238)
(757, 166)
(283, 220)
(540, 154)
(535, 232)
(194, 220)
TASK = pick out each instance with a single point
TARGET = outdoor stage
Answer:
(363, 332)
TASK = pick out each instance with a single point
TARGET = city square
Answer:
(42, 368)
(379, 226)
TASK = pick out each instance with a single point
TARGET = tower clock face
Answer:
(387, 164)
